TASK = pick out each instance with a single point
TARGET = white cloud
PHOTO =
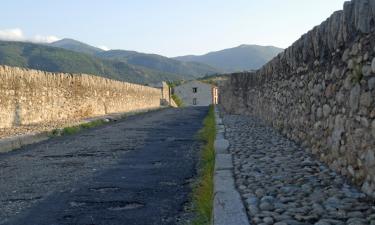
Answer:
(45, 39)
(17, 34)
(105, 48)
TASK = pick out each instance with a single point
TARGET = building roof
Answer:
(197, 81)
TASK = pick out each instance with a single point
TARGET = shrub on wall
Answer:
(177, 100)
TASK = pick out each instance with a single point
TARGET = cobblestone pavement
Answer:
(282, 184)
(136, 171)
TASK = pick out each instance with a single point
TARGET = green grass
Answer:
(357, 73)
(203, 191)
(177, 100)
(92, 124)
(78, 128)
(70, 130)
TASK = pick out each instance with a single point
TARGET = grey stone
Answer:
(373, 65)
(220, 127)
(337, 131)
(228, 207)
(266, 206)
(366, 188)
(351, 64)
(348, 82)
(322, 223)
(354, 97)
(355, 49)
(356, 221)
(355, 214)
(317, 89)
(318, 209)
(351, 170)
(228, 210)
(319, 113)
(366, 99)
(340, 97)
(268, 220)
(366, 56)
(366, 70)
(223, 162)
(259, 192)
(364, 122)
(371, 83)
(269, 199)
(332, 202)
(223, 181)
(220, 135)
(345, 55)
(252, 200)
(326, 110)
(370, 158)
(373, 128)
(221, 145)
(253, 210)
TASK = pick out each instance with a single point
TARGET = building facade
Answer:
(195, 93)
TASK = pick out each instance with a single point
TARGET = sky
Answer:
(166, 27)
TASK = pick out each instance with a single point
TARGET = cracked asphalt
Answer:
(134, 171)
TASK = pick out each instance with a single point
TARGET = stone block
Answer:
(221, 145)
(228, 206)
(223, 162)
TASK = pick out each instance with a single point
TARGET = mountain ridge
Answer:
(150, 61)
(76, 46)
(52, 59)
(158, 62)
(242, 57)
(71, 56)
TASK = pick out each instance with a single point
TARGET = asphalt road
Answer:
(135, 171)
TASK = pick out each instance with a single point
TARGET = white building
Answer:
(195, 93)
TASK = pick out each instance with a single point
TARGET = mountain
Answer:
(187, 70)
(71, 56)
(160, 63)
(76, 46)
(243, 57)
(42, 57)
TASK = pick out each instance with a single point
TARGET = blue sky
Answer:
(167, 27)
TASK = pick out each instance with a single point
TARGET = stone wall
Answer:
(30, 96)
(320, 92)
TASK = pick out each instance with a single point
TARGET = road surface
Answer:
(135, 171)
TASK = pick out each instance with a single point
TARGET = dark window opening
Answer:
(194, 101)
(195, 90)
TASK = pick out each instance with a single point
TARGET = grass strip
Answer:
(78, 128)
(203, 191)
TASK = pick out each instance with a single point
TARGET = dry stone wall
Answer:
(31, 96)
(320, 92)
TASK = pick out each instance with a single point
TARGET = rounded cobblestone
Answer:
(281, 183)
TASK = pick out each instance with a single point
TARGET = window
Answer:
(194, 101)
(195, 89)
